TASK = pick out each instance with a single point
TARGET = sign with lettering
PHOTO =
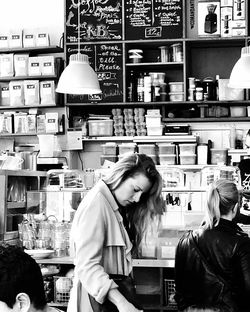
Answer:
(98, 20)
(106, 60)
(153, 19)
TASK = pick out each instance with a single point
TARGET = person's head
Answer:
(223, 201)
(21, 281)
(136, 185)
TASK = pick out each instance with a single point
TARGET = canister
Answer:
(176, 52)
(202, 152)
(208, 88)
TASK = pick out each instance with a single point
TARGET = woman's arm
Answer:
(122, 304)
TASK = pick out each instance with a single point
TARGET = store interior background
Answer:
(49, 16)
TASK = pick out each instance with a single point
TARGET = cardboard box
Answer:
(51, 122)
(209, 18)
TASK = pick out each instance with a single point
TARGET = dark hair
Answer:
(151, 203)
(20, 273)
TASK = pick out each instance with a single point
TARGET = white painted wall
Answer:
(46, 15)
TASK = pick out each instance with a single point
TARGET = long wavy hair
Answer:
(139, 215)
(222, 196)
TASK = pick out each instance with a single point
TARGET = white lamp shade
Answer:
(240, 75)
(78, 77)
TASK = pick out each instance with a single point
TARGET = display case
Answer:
(60, 204)
(13, 199)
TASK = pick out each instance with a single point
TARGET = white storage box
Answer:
(238, 111)
(187, 148)
(166, 148)
(187, 159)
(153, 120)
(219, 156)
(127, 148)
(109, 148)
(176, 96)
(176, 87)
(100, 127)
(167, 159)
(154, 130)
(148, 149)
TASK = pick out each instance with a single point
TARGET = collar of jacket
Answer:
(231, 226)
(104, 189)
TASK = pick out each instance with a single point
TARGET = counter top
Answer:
(161, 263)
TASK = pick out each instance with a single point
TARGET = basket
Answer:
(169, 294)
(62, 287)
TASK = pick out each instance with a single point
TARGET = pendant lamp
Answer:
(78, 77)
(240, 75)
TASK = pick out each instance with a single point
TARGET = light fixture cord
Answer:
(79, 26)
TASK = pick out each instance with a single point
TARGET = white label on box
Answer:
(46, 88)
(47, 68)
(34, 69)
(4, 42)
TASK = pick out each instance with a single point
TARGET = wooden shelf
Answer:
(144, 139)
(40, 77)
(36, 50)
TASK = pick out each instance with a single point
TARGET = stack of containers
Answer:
(148, 149)
(187, 153)
(109, 152)
(129, 124)
(176, 91)
(125, 148)
(140, 124)
(118, 122)
(167, 154)
(153, 122)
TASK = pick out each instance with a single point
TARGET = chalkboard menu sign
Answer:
(153, 19)
(99, 20)
(106, 60)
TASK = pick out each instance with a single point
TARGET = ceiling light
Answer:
(78, 77)
(240, 75)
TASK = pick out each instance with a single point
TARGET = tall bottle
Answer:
(217, 77)
(140, 88)
(132, 87)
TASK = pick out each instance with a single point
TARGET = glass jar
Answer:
(199, 94)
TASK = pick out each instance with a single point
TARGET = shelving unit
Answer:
(202, 57)
(34, 51)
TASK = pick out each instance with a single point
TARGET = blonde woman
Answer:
(212, 264)
(108, 226)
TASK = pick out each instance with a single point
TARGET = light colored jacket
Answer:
(101, 246)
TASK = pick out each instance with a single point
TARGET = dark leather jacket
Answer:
(227, 249)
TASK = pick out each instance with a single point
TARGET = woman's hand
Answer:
(122, 304)
(126, 306)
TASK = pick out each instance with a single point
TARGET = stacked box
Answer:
(140, 124)
(118, 122)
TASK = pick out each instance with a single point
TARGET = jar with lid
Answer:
(199, 94)
(176, 52)
(208, 88)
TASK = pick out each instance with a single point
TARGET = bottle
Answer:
(140, 88)
(147, 88)
(217, 77)
(132, 87)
